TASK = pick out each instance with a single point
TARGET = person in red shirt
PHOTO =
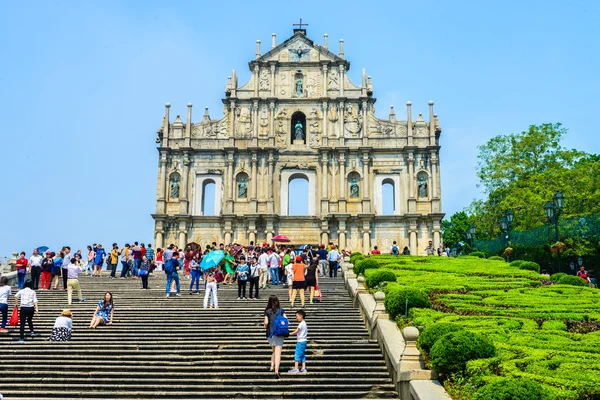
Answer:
(21, 264)
(375, 250)
(582, 273)
(143, 247)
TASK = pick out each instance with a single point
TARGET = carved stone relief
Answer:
(352, 122)
(313, 86)
(244, 122)
(283, 82)
(263, 83)
(264, 122)
(334, 80)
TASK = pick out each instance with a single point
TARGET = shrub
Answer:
(356, 256)
(451, 352)
(530, 266)
(479, 254)
(435, 331)
(556, 277)
(362, 265)
(374, 277)
(396, 296)
(572, 280)
(496, 258)
(554, 325)
(516, 263)
(511, 389)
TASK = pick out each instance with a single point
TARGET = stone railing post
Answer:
(380, 306)
(412, 366)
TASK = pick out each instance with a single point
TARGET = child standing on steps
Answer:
(301, 342)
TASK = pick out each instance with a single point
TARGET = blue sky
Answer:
(83, 87)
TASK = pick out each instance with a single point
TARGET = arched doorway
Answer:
(208, 197)
(298, 199)
(298, 128)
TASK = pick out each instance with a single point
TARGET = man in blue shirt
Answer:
(333, 259)
(322, 253)
(242, 271)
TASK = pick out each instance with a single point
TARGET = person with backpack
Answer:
(144, 271)
(195, 272)
(322, 253)
(171, 270)
(210, 279)
(242, 271)
(277, 327)
(395, 250)
(99, 260)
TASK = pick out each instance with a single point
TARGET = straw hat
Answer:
(66, 313)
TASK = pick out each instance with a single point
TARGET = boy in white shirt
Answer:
(301, 342)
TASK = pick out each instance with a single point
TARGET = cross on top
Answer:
(300, 24)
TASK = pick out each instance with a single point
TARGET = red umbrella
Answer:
(281, 238)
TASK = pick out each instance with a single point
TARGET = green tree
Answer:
(454, 231)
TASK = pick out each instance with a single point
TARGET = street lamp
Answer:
(505, 224)
(553, 209)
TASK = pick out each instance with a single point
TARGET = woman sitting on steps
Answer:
(104, 312)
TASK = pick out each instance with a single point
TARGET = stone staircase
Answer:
(174, 349)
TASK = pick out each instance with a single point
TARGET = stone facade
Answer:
(299, 116)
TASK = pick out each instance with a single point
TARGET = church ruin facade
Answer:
(299, 118)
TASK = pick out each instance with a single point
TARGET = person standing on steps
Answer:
(5, 292)
(172, 271)
(242, 271)
(90, 260)
(114, 260)
(144, 271)
(195, 272)
(333, 258)
(289, 276)
(137, 259)
(273, 311)
(21, 266)
(124, 260)
(298, 281)
(47, 265)
(274, 267)
(263, 262)
(159, 259)
(35, 265)
(322, 253)
(104, 312)
(210, 280)
(301, 342)
(73, 271)
(99, 260)
(66, 260)
(312, 279)
(57, 270)
(254, 278)
(27, 300)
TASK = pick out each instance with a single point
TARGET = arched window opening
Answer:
(298, 195)
(298, 128)
(388, 197)
(208, 198)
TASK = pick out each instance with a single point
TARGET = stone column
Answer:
(342, 163)
(366, 183)
(182, 234)
(230, 179)
(366, 241)
(325, 73)
(253, 162)
(412, 238)
(342, 72)
(434, 188)
(183, 202)
(255, 79)
(272, 80)
(270, 207)
(324, 135)
(333, 189)
(342, 234)
(161, 205)
(158, 241)
(188, 126)
(324, 194)
(272, 124)
(255, 117)
(411, 176)
(232, 116)
(227, 237)
(409, 123)
(364, 129)
(436, 238)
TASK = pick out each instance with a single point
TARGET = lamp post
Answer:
(505, 224)
(471, 235)
(553, 209)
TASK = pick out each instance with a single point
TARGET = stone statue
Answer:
(242, 189)
(175, 187)
(298, 131)
(299, 87)
(354, 190)
(422, 187)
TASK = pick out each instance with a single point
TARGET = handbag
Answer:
(14, 318)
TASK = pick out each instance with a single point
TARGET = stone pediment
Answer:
(299, 48)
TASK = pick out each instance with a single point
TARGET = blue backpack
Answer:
(280, 325)
(169, 269)
(395, 250)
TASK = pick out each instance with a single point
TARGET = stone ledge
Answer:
(427, 390)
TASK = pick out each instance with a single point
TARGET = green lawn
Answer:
(544, 332)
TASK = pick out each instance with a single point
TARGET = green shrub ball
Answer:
(435, 331)
(516, 263)
(451, 352)
(554, 325)
(572, 280)
(395, 300)
(511, 389)
(354, 257)
(530, 266)
(556, 277)
(362, 265)
(374, 277)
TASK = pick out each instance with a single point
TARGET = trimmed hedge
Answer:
(451, 352)
(373, 277)
(433, 332)
(479, 254)
(496, 258)
(511, 389)
(362, 265)
(516, 263)
(396, 296)
(572, 280)
(554, 325)
(356, 256)
(530, 266)
(556, 277)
